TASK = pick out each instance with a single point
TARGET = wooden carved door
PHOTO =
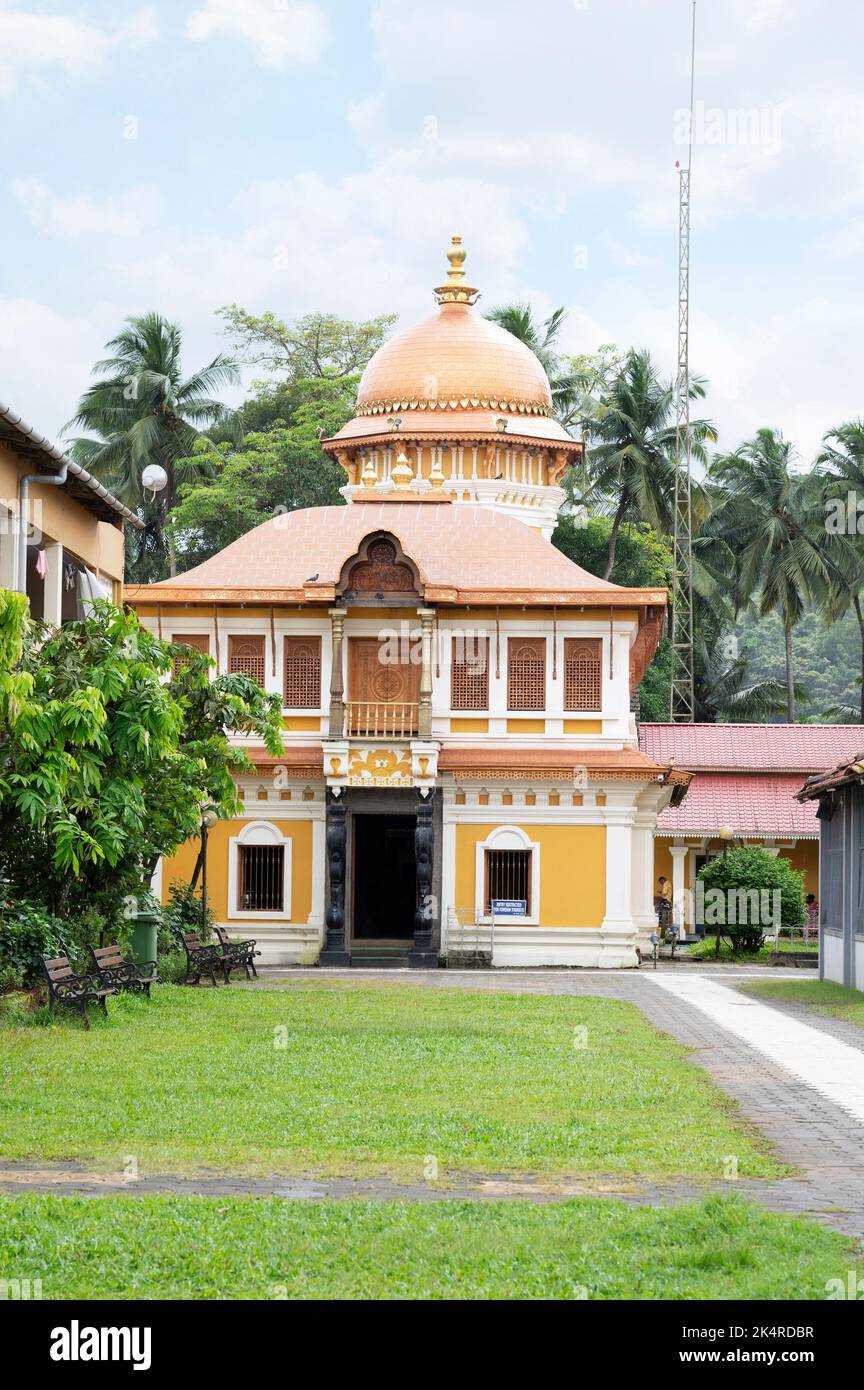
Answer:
(383, 695)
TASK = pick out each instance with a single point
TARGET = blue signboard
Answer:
(509, 907)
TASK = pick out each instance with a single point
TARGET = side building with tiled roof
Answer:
(746, 780)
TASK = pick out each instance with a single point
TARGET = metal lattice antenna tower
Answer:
(682, 700)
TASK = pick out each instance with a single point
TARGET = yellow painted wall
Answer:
(572, 871)
(526, 726)
(469, 726)
(182, 864)
(583, 726)
(60, 518)
(804, 855)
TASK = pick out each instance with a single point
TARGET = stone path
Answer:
(782, 1071)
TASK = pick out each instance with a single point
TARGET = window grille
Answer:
(246, 658)
(526, 673)
(302, 673)
(582, 673)
(261, 878)
(508, 875)
(199, 640)
(469, 679)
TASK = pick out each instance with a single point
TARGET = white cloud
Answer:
(46, 358)
(129, 214)
(281, 34)
(31, 42)
(359, 246)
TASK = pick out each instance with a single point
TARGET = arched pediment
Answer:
(380, 572)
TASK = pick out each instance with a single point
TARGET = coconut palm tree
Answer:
(764, 513)
(143, 411)
(840, 479)
(630, 459)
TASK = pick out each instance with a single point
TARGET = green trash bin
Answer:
(143, 938)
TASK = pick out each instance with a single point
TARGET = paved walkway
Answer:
(797, 1082)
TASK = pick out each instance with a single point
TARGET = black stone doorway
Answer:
(384, 893)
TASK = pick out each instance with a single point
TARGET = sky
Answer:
(293, 157)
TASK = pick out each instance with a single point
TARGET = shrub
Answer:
(27, 932)
(182, 913)
(172, 967)
(746, 871)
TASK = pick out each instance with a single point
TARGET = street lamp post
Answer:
(208, 818)
(727, 835)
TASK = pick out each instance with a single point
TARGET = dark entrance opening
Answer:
(385, 878)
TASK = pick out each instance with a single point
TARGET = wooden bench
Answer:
(237, 953)
(201, 959)
(112, 969)
(73, 991)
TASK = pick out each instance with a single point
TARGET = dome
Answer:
(455, 359)
(455, 374)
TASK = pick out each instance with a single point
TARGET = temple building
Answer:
(462, 777)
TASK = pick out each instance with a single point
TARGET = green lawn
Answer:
(821, 995)
(199, 1247)
(370, 1079)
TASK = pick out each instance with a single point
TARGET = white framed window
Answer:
(507, 870)
(259, 873)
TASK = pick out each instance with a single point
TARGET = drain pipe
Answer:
(44, 480)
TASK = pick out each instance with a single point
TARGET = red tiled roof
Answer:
(801, 748)
(753, 803)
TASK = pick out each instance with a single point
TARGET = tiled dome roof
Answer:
(458, 360)
(456, 374)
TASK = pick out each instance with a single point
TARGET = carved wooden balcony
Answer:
(381, 719)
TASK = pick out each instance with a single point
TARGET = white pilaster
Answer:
(53, 600)
(679, 887)
(316, 915)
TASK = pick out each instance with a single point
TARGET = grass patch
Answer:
(822, 996)
(366, 1079)
(706, 949)
(245, 1248)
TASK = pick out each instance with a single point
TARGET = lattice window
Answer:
(246, 657)
(526, 673)
(199, 640)
(469, 673)
(583, 680)
(508, 877)
(262, 878)
(302, 673)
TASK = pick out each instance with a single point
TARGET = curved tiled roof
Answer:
(771, 747)
(753, 803)
(463, 554)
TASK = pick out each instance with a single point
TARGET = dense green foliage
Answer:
(104, 766)
(272, 472)
(26, 932)
(233, 1248)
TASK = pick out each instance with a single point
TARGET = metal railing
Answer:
(381, 719)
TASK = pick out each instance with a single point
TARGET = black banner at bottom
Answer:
(62, 1339)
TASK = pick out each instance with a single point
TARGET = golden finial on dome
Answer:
(456, 291)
